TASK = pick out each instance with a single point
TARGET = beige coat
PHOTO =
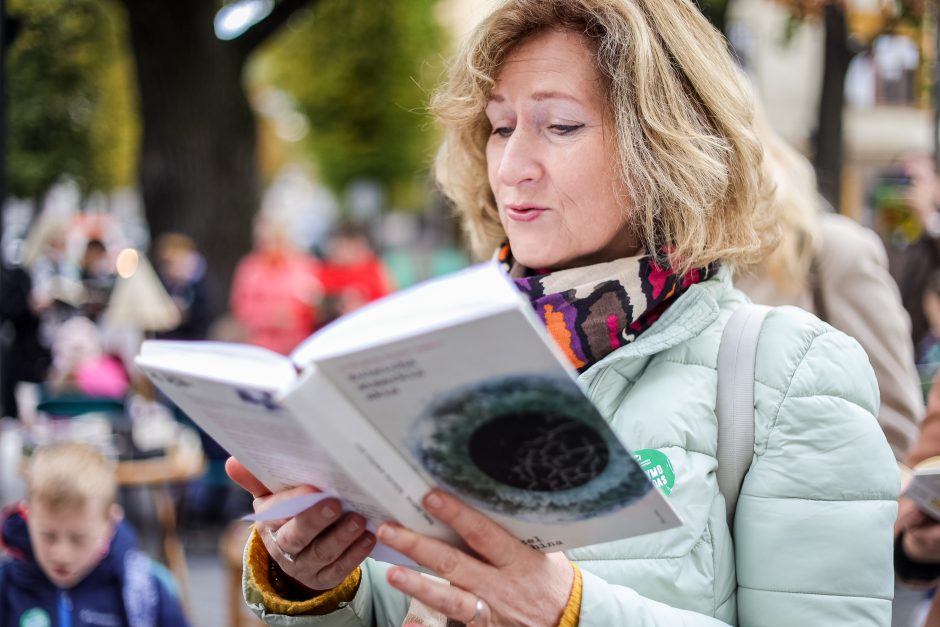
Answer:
(862, 300)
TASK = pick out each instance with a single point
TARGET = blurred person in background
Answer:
(837, 269)
(80, 365)
(917, 534)
(97, 276)
(351, 272)
(182, 270)
(57, 292)
(928, 350)
(23, 357)
(913, 262)
(75, 563)
(276, 290)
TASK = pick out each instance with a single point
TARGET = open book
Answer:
(452, 383)
(922, 485)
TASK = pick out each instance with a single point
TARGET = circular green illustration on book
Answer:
(532, 447)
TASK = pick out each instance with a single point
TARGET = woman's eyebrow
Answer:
(554, 95)
(540, 96)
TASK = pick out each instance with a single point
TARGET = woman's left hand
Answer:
(516, 584)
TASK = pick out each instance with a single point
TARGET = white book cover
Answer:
(452, 383)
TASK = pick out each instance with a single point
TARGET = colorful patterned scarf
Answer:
(593, 310)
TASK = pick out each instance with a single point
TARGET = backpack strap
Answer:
(737, 355)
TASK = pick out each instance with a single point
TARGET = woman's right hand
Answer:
(325, 545)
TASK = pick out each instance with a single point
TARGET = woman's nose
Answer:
(519, 162)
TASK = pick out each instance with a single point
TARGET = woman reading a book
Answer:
(605, 149)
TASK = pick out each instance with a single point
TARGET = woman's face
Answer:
(552, 160)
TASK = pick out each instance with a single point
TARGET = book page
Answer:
(252, 424)
(219, 361)
(438, 303)
(488, 411)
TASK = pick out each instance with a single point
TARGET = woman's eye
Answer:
(502, 131)
(565, 129)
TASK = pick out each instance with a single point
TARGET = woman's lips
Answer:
(524, 213)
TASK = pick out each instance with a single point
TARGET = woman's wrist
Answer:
(286, 586)
(572, 612)
(282, 594)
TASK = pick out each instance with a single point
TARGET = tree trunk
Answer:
(198, 161)
(8, 29)
(828, 144)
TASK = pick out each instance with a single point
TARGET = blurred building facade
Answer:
(887, 110)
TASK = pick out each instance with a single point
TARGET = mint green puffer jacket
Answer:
(813, 527)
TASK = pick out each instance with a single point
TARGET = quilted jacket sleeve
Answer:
(375, 603)
(813, 528)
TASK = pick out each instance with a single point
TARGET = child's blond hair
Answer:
(71, 475)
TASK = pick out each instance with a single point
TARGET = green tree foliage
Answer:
(70, 94)
(361, 72)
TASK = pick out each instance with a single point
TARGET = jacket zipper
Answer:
(65, 609)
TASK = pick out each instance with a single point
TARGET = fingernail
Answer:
(328, 512)
(386, 533)
(433, 501)
(366, 542)
(352, 525)
(399, 575)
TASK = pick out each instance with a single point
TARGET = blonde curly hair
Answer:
(681, 113)
(796, 205)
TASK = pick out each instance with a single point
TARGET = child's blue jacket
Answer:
(123, 590)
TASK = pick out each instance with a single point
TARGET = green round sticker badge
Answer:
(35, 617)
(657, 467)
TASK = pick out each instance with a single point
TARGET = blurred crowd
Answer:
(76, 302)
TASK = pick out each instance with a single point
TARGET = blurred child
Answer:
(352, 273)
(80, 365)
(183, 272)
(75, 564)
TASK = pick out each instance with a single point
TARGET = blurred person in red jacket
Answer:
(276, 290)
(352, 273)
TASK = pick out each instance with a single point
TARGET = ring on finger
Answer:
(290, 557)
(480, 609)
